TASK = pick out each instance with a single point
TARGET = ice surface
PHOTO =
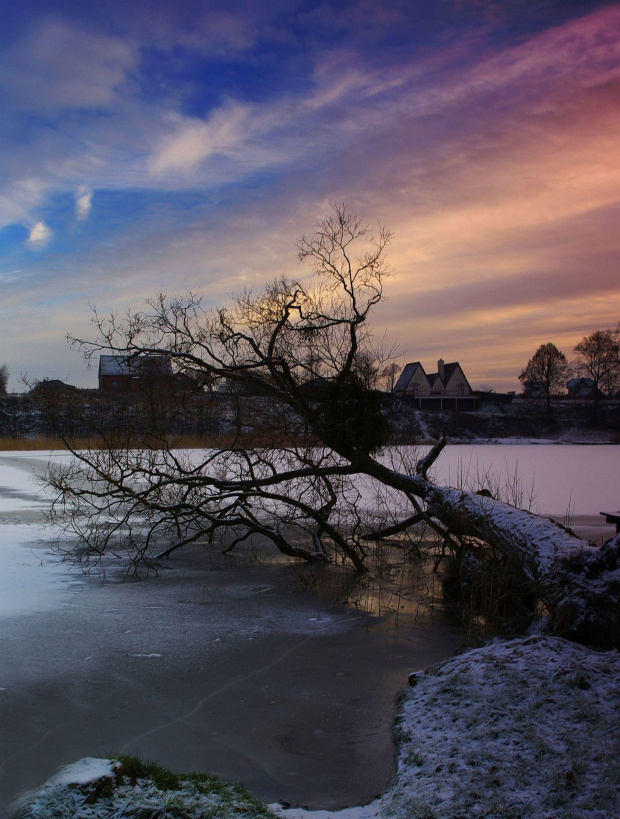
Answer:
(528, 727)
(557, 678)
(581, 480)
(18, 488)
(32, 579)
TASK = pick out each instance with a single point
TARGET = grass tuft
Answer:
(134, 768)
(143, 790)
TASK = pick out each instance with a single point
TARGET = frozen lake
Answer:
(215, 665)
(582, 480)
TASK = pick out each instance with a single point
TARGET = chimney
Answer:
(440, 368)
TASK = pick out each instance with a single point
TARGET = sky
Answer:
(157, 146)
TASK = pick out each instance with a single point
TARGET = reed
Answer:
(22, 444)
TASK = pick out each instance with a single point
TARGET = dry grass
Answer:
(17, 443)
(10, 444)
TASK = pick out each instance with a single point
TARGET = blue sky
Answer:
(160, 146)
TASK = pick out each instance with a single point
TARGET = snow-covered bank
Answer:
(526, 728)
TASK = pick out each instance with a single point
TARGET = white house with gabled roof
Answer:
(449, 380)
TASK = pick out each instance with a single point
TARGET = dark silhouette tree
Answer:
(599, 355)
(545, 374)
(295, 347)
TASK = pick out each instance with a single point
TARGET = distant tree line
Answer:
(597, 355)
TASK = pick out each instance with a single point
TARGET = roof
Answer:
(140, 365)
(54, 384)
(113, 365)
(410, 369)
(449, 370)
(405, 377)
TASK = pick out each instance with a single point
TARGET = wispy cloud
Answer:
(191, 141)
(20, 198)
(58, 65)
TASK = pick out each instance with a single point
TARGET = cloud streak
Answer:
(495, 159)
(60, 66)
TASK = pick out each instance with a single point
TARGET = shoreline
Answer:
(528, 726)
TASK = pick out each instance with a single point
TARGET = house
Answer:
(448, 388)
(581, 388)
(53, 386)
(449, 380)
(125, 373)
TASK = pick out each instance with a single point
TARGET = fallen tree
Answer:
(298, 352)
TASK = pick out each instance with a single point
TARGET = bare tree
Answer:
(545, 374)
(599, 355)
(4, 379)
(295, 346)
(389, 374)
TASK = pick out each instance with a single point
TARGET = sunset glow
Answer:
(158, 146)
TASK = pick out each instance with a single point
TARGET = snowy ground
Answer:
(526, 728)
(92, 788)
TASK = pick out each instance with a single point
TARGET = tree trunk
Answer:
(578, 582)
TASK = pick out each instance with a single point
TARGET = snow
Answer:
(531, 534)
(529, 727)
(95, 797)
(86, 770)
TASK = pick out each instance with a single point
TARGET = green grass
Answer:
(134, 768)
(145, 790)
